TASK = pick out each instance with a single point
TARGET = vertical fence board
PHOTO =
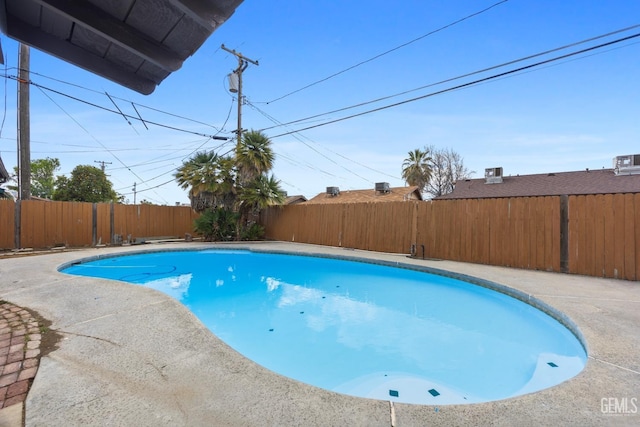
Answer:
(629, 238)
(609, 236)
(574, 234)
(636, 221)
(7, 224)
(599, 235)
(619, 228)
(589, 234)
(104, 223)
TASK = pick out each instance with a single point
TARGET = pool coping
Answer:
(122, 341)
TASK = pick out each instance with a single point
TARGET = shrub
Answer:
(217, 225)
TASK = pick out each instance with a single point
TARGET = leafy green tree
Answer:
(416, 169)
(87, 184)
(42, 177)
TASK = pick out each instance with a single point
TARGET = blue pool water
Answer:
(362, 329)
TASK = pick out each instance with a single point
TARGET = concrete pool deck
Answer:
(133, 356)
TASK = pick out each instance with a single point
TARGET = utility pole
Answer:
(243, 63)
(101, 163)
(134, 193)
(24, 128)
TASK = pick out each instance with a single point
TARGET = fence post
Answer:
(112, 224)
(94, 224)
(17, 224)
(414, 228)
(564, 233)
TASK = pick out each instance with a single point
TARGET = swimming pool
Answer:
(362, 329)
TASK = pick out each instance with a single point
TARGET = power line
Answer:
(464, 85)
(332, 152)
(128, 116)
(134, 104)
(504, 64)
(388, 51)
(93, 137)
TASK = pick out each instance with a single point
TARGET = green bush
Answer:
(217, 225)
(253, 232)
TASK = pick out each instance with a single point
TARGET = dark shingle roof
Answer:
(601, 181)
(395, 194)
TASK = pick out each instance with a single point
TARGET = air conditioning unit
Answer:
(333, 191)
(382, 187)
(493, 175)
(627, 165)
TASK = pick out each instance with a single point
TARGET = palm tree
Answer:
(209, 178)
(416, 169)
(254, 156)
(263, 192)
(237, 184)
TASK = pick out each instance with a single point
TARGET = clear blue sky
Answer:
(571, 114)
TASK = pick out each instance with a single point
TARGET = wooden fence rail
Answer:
(38, 224)
(596, 235)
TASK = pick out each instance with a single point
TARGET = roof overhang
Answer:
(136, 43)
(4, 175)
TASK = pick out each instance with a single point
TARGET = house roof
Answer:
(292, 200)
(136, 43)
(395, 194)
(599, 181)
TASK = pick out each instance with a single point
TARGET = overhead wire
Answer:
(122, 99)
(463, 85)
(494, 67)
(299, 138)
(388, 51)
(93, 137)
(128, 116)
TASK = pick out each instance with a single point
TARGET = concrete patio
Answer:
(133, 356)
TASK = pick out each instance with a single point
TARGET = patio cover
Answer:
(136, 43)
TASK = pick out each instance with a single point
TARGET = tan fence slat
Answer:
(636, 221)
(7, 224)
(629, 238)
(609, 236)
(619, 211)
(597, 213)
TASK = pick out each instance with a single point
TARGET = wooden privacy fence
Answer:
(38, 224)
(384, 227)
(596, 235)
